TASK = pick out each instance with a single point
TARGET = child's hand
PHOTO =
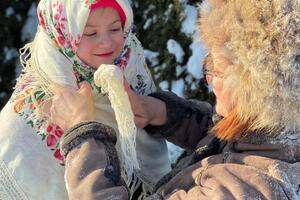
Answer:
(146, 109)
(70, 106)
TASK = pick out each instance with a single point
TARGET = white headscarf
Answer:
(51, 58)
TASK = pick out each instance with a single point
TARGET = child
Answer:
(74, 38)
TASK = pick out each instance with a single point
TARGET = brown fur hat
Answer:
(261, 39)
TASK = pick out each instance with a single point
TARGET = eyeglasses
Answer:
(210, 74)
(208, 71)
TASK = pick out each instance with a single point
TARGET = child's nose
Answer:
(104, 40)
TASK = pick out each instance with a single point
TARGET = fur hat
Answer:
(261, 39)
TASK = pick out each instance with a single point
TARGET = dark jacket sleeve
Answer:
(92, 168)
(187, 123)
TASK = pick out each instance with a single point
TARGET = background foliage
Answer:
(156, 21)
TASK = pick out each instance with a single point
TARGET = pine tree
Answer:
(13, 14)
(158, 21)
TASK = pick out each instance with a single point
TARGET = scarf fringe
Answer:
(110, 79)
(133, 183)
(33, 78)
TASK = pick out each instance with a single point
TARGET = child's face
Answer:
(103, 39)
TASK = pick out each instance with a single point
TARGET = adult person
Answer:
(251, 153)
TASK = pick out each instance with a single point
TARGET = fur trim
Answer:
(261, 39)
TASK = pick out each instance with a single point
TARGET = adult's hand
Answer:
(70, 106)
(146, 109)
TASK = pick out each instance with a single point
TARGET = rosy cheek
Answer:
(80, 52)
(80, 48)
(120, 42)
(84, 51)
(88, 45)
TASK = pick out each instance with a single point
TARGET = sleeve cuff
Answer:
(176, 111)
(83, 131)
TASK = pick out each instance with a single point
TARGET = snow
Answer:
(151, 56)
(189, 79)
(189, 27)
(149, 9)
(178, 87)
(195, 62)
(28, 31)
(189, 23)
(174, 152)
(9, 12)
(194, 86)
(10, 53)
(18, 69)
(147, 24)
(30, 27)
(149, 21)
(19, 18)
(3, 94)
(175, 49)
(164, 85)
(179, 70)
(167, 13)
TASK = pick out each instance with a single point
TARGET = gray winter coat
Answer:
(257, 166)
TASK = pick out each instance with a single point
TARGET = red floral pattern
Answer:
(66, 35)
(41, 19)
(54, 133)
(57, 155)
(25, 106)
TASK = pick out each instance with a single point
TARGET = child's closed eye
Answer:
(115, 29)
(89, 34)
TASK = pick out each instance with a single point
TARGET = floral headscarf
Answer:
(51, 58)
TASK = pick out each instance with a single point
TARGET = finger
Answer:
(135, 99)
(61, 104)
(46, 106)
(139, 122)
(86, 93)
(126, 84)
(57, 118)
(59, 88)
(85, 89)
(54, 88)
(128, 89)
(53, 114)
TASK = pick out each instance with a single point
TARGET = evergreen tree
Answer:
(158, 21)
(13, 14)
